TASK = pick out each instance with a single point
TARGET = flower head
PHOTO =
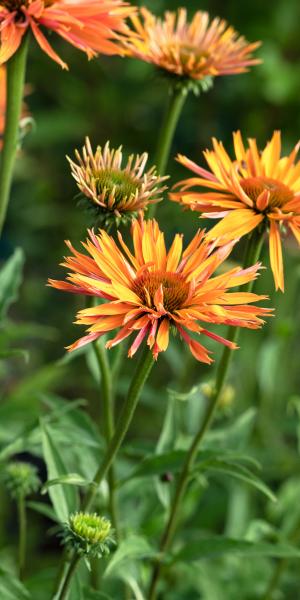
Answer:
(255, 189)
(89, 25)
(117, 192)
(21, 479)
(151, 291)
(194, 51)
(88, 534)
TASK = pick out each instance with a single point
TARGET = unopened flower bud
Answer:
(88, 534)
(20, 479)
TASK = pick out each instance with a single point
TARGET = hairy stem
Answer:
(140, 376)
(252, 255)
(108, 419)
(15, 78)
(22, 535)
(167, 132)
(65, 587)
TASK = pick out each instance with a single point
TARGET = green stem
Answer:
(141, 374)
(167, 131)
(22, 535)
(280, 567)
(252, 255)
(16, 67)
(64, 589)
(108, 419)
(139, 378)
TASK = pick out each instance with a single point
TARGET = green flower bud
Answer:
(20, 479)
(88, 534)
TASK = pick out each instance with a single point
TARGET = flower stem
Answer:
(140, 376)
(64, 589)
(22, 535)
(108, 419)
(167, 131)
(252, 254)
(15, 79)
(280, 567)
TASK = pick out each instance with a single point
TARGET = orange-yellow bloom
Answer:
(89, 25)
(192, 50)
(256, 189)
(150, 291)
(118, 192)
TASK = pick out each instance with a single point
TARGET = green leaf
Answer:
(10, 280)
(208, 461)
(134, 547)
(64, 499)
(43, 509)
(158, 464)
(128, 578)
(89, 594)
(236, 434)
(15, 353)
(166, 443)
(218, 546)
(240, 472)
(69, 479)
(11, 588)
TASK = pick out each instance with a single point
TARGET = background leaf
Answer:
(64, 498)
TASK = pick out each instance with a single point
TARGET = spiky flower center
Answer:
(280, 194)
(175, 289)
(91, 527)
(116, 184)
(190, 53)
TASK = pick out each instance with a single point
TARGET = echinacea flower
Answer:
(256, 189)
(150, 291)
(197, 50)
(89, 534)
(89, 25)
(117, 192)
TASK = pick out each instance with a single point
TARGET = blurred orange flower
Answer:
(151, 291)
(193, 50)
(89, 25)
(256, 188)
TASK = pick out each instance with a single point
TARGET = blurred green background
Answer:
(122, 100)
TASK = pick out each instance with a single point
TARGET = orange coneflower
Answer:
(151, 291)
(117, 192)
(257, 188)
(89, 25)
(196, 50)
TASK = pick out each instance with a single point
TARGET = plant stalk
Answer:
(138, 381)
(64, 589)
(22, 535)
(280, 568)
(167, 132)
(252, 254)
(108, 419)
(15, 79)
(141, 374)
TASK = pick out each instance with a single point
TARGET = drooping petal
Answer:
(276, 256)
